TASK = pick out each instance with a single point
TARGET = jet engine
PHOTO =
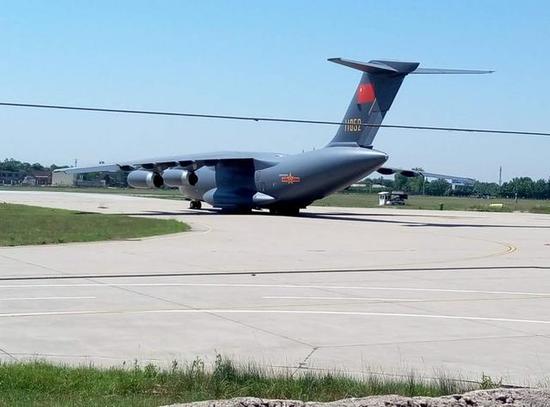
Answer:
(145, 179)
(179, 178)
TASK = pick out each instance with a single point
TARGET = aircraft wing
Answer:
(84, 170)
(452, 178)
(415, 173)
(189, 162)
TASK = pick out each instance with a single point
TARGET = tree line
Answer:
(10, 164)
(26, 169)
(520, 187)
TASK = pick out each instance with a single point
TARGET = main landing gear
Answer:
(285, 211)
(195, 204)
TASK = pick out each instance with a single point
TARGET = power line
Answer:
(273, 119)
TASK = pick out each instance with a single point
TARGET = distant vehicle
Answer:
(242, 181)
(392, 198)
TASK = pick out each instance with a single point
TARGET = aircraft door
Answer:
(260, 185)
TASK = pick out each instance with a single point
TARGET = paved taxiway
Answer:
(460, 292)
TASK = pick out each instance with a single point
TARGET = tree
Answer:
(541, 189)
(522, 187)
(9, 164)
(438, 187)
(37, 167)
(461, 190)
(485, 189)
(410, 184)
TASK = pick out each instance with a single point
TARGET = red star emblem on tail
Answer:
(365, 93)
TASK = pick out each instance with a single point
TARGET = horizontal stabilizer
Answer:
(437, 71)
(378, 67)
(398, 67)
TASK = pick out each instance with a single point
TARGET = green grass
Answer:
(31, 225)
(355, 200)
(45, 384)
(149, 193)
(363, 200)
(345, 199)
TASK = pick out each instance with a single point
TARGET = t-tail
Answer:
(374, 96)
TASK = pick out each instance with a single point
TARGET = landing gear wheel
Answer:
(195, 205)
(237, 210)
(285, 211)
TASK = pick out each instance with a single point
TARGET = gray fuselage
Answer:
(267, 180)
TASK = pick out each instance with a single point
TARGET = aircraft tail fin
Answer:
(374, 96)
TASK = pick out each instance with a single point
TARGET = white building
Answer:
(61, 179)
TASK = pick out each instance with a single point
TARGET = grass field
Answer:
(44, 384)
(31, 225)
(346, 199)
(361, 200)
(153, 193)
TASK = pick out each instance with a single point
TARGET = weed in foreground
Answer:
(44, 383)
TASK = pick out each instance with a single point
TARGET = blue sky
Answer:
(269, 59)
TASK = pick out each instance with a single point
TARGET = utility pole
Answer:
(423, 184)
(500, 176)
(76, 162)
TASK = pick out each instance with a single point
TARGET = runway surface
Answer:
(378, 290)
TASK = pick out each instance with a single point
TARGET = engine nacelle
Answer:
(145, 179)
(179, 178)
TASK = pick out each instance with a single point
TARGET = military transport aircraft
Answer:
(281, 183)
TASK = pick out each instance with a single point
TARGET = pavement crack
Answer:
(303, 363)
(441, 340)
(29, 263)
(222, 317)
(5, 352)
